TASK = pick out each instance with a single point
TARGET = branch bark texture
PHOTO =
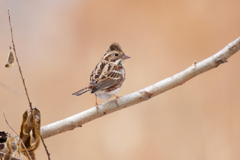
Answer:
(144, 94)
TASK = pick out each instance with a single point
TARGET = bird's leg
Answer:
(116, 99)
(96, 102)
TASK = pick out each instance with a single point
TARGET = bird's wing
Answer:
(107, 80)
(104, 75)
(97, 72)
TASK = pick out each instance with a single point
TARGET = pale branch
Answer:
(195, 69)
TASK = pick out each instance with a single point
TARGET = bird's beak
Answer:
(125, 56)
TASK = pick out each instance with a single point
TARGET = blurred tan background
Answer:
(59, 43)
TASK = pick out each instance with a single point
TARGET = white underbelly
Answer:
(106, 95)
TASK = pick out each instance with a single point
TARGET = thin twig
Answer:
(11, 89)
(23, 80)
(45, 146)
(144, 94)
(19, 67)
(17, 135)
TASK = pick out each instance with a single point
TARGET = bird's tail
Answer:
(80, 92)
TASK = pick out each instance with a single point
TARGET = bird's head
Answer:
(115, 54)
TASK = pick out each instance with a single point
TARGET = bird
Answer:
(108, 76)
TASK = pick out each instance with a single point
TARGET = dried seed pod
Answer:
(3, 136)
(31, 123)
(11, 58)
(3, 140)
(12, 146)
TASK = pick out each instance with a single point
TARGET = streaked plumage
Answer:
(109, 74)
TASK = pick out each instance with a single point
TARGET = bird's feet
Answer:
(96, 104)
(116, 100)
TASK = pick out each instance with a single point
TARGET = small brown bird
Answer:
(108, 76)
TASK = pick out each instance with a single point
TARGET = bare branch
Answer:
(195, 69)
(23, 80)
(48, 154)
(19, 67)
(11, 89)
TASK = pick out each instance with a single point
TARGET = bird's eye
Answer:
(116, 54)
